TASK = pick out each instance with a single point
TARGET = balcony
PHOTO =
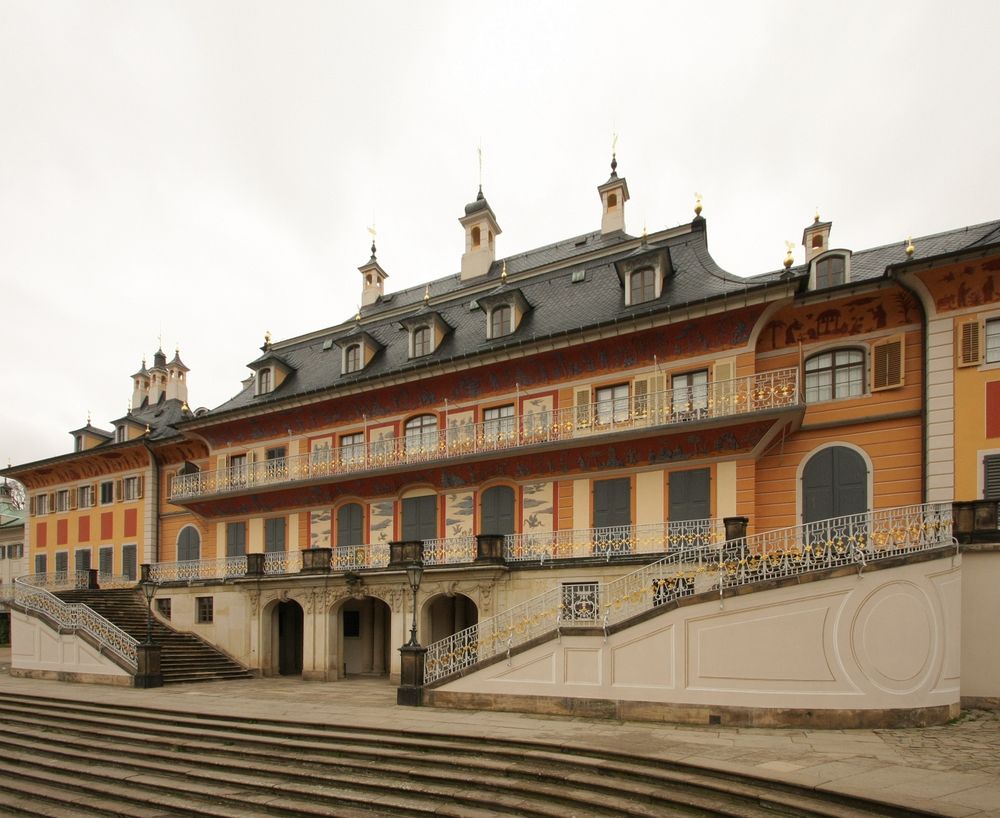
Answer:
(605, 543)
(762, 392)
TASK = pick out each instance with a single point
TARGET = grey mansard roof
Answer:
(558, 306)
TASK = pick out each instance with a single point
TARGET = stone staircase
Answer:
(66, 758)
(184, 657)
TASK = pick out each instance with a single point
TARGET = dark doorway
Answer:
(289, 616)
(834, 484)
(497, 511)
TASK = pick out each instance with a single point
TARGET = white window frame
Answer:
(612, 403)
(861, 366)
(508, 326)
(85, 496)
(358, 363)
(428, 348)
(42, 504)
(265, 381)
(845, 255)
(62, 501)
(100, 489)
(130, 488)
(656, 285)
(991, 341)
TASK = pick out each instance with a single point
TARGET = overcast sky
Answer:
(207, 170)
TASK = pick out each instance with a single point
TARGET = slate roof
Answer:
(558, 306)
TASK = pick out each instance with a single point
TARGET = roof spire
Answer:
(503, 272)
(789, 259)
(371, 230)
(614, 156)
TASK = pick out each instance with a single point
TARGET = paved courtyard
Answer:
(953, 769)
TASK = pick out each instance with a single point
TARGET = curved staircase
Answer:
(184, 657)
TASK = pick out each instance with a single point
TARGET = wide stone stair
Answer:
(184, 656)
(65, 758)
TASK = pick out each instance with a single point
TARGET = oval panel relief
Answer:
(894, 636)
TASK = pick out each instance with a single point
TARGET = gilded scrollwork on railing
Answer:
(770, 390)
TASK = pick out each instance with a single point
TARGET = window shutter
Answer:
(640, 398)
(73, 495)
(991, 477)
(31, 505)
(722, 390)
(52, 502)
(969, 343)
(583, 418)
(119, 490)
(138, 486)
(887, 363)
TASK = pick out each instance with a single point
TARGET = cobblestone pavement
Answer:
(951, 770)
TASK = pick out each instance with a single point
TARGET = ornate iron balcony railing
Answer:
(31, 594)
(763, 391)
(854, 540)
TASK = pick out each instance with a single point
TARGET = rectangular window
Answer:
(15, 551)
(275, 463)
(836, 374)
(105, 560)
(204, 609)
(121, 433)
(690, 495)
(580, 602)
(42, 504)
(991, 477)
(352, 449)
(163, 608)
(238, 469)
(274, 534)
(62, 500)
(612, 403)
(3, 552)
(993, 341)
(41, 563)
(690, 392)
(107, 492)
(85, 496)
(132, 488)
(612, 502)
(420, 517)
(128, 562)
(236, 539)
(82, 559)
(62, 565)
(498, 422)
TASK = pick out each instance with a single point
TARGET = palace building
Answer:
(633, 481)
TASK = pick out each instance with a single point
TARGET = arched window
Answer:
(839, 373)
(421, 341)
(477, 236)
(834, 484)
(642, 286)
(831, 271)
(188, 544)
(264, 382)
(497, 511)
(612, 201)
(421, 434)
(818, 241)
(352, 358)
(350, 525)
(500, 321)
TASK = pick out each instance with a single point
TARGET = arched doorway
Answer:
(363, 628)
(445, 615)
(496, 511)
(834, 484)
(287, 628)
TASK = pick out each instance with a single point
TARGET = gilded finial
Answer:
(88, 417)
(909, 246)
(357, 315)
(267, 339)
(789, 259)
(614, 155)
(816, 217)
(185, 407)
(371, 231)
(427, 294)
(503, 272)
(147, 429)
(644, 233)
(697, 204)
(128, 407)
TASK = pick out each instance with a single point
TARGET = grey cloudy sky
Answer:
(208, 170)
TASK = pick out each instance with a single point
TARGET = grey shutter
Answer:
(236, 539)
(690, 495)
(189, 545)
(274, 535)
(106, 560)
(128, 561)
(350, 525)
(420, 518)
(834, 484)
(991, 477)
(612, 502)
(497, 511)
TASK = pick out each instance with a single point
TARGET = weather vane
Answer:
(480, 152)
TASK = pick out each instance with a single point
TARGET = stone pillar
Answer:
(411, 678)
(316, 561)
(489, 549)
(405, 552)
(149, 673)
(255, 565)
(379, 659)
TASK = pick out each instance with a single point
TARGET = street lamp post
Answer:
(149, 591)
(148, 671)
(410, 691)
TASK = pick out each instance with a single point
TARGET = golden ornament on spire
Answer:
(816, 217)
(789, 259)
(697, 204)
(503, 272)
(909, 246)
(267, 338)
(427, 294)
(357, 316)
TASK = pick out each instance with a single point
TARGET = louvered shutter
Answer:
(887, 364)
(991, 477)
(969, 343)
(119, 490)
(31, 505)
(640, 398)
(721, 394)
(139, 486)
(72, 497)
(583, 419)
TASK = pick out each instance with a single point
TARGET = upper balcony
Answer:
(621, 416)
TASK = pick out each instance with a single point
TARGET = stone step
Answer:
(547, 769)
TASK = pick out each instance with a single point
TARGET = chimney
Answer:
(614, 194)
(816, 238)
(481, 230)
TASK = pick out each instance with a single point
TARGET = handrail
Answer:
(74, 616)
(856, 539)
(752, 393)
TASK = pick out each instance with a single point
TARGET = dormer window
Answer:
(121, 433)
(422, 341)
(831, 270)
(642, 285)
(263, 381)
(352, 358)
(78, 443)
(500, 321)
